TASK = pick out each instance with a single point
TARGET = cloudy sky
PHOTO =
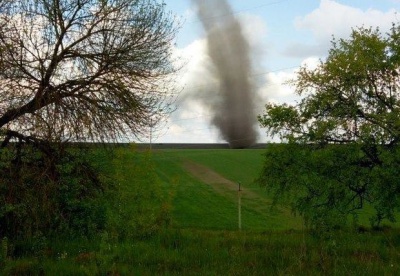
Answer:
(282, 34)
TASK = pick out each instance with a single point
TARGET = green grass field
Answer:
(195, 194)
(210, 204)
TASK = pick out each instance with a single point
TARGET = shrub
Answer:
(47, 192)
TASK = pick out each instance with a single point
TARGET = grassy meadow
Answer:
(175, 212)
(213, 203)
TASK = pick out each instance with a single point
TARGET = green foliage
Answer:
(326, 184)
(44, 193)
(343, 136)
(138, 208)
(121, 201)
(200, 252)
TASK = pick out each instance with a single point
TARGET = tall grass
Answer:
(162, 220)
(202, 252)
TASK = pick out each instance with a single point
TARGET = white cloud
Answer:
(189, 123)
(311, 62)
(334, 19)
(277, 90)
(193, 58)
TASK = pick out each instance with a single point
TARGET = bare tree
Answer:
(74, 70)
(83, 70)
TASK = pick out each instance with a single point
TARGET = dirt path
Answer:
(227, 188)
(215, 180)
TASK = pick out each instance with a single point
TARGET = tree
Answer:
(74, 70)
(342, 152)
(83, 69)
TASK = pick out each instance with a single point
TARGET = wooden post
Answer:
(239, 208)
(151, 133)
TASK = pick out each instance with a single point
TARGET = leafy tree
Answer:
(74, 70)
(342, 138)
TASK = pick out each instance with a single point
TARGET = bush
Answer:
(48, 190)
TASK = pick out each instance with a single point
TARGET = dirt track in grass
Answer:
(254, 201)
(221, 184)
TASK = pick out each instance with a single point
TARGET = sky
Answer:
(282, 34)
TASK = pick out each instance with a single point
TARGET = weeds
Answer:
(144, 235)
